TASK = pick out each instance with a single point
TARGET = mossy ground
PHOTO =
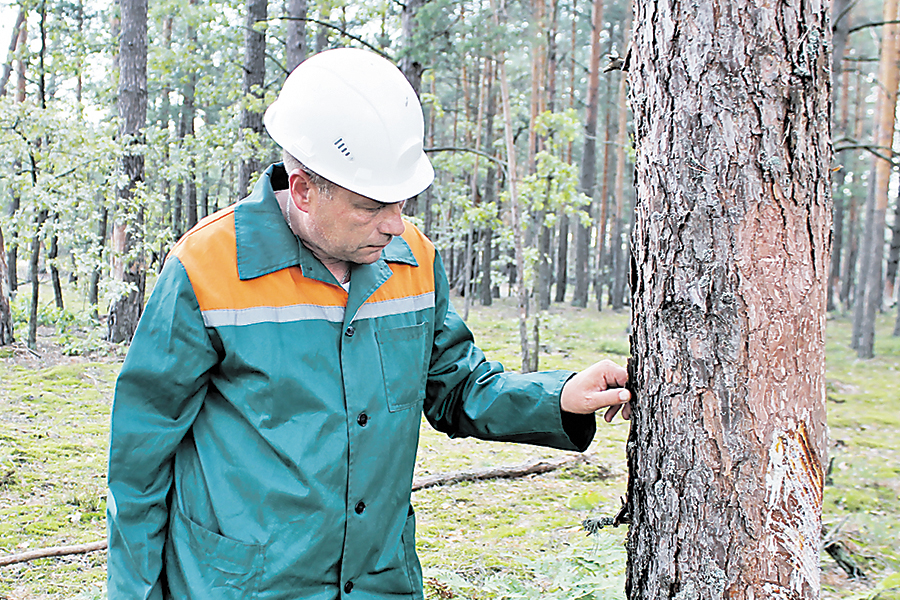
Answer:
(498, 539)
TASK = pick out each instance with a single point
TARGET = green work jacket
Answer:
(265, 421)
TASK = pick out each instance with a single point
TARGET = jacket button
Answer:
(348, 587)
(360, 507)
(362, 419)
(350, 331)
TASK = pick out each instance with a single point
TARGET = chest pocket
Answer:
(404, 363)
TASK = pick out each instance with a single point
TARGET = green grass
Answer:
(488, 540)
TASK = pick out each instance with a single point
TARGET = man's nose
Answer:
(393, 220)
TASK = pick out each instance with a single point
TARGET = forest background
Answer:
(81, 236)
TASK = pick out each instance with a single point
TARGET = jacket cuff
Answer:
(579, 428)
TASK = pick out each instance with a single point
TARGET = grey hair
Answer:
(291, 164)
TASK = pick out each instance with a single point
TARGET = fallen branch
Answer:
(531, 467)
(51, 552)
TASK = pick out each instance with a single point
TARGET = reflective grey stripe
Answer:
(272, 314)
(372, 310)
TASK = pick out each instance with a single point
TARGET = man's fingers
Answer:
(612, 397)
(611, 412)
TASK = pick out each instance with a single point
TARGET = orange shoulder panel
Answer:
(208, 253)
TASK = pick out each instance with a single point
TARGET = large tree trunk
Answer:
(295, 50)
(252, 83)
(889, 75)
(588, 175)
(129, 269)
(731, 252)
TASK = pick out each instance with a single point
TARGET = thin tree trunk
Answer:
(834, 277)
(893, 255)
(562, 251)
(34, 278)
(521, 292)
(13, 252)
(727, 444)
(127, 231)
(6, 322)
(603, 214)
(862, 269)
(490, 183)
(96, 274)
(889, 75)
(617, 243)
(295, 50)
(52, 255)
(13, 45)
(588, 175)
(252, 83)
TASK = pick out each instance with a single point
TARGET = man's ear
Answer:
(300, 185)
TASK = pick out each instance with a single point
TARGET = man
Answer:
(266, 418)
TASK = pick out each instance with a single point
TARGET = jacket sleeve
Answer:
(158, 394)
(467, 395)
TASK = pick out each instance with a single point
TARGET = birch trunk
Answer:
(731, 249)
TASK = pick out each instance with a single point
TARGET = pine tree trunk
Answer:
(252, 83)
(588, 176)
(132, 105)
(889, 75)
(731, 249)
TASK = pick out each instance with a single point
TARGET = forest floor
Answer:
(504, 538)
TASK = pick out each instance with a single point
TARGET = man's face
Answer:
(342, 225)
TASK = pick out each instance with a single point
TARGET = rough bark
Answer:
(889, 75)
(588, 174)
(411, 61)
(731, 249)
(251, 84)
(132, 107)
(295, 46)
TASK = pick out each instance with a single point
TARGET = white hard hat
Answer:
(351, 116)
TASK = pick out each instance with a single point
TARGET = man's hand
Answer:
(598, 386)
